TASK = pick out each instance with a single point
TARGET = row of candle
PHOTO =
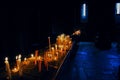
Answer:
(55, 52)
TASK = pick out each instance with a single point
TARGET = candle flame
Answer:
(52, 48)
(25, 59)
(48, 37)
(55, 58)
(39, 57)
(15, 70)
(19, 56)
(6, 58)
(16, 57)
(32, 55)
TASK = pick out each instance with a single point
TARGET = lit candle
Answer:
(19, 56)
(32, 58)
(25, 61)
(17, 63)
(8, 67)
(39, 63)
(36, 55)
(53, 50)
(61, 47)
(56, 47)
(57, 54)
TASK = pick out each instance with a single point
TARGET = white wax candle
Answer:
(8, 67)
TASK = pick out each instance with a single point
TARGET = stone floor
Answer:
(91, 63)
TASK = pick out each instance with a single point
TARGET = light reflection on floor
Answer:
(91, 63)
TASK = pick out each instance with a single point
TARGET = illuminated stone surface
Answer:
(93, 64)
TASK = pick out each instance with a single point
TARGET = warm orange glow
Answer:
(55, 58)
(55, 46)
(39, 58)
(15, 70)
(19, 60)
(55, 53)
(78, 32)
(52, 48)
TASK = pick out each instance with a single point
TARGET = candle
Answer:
(39, 63)
(53, 50)
(56, 47)
(25, 61)
(19, 65)
(32, 59)
(7, 67)
(7, 63)
(19, 56)
(19, 61)
(49, 43)
(57, 54)
(36, 55)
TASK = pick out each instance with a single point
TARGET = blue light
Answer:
(84, 13)
(84, 10)
(117, 8)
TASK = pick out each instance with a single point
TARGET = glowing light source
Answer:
(83, 10)
(25, 59)
(32, 55)
(15, 70)
(84, 13)
(55, 58)
(6, 58)
(8, 67)
(56, 54)
(117, 8)
(78, 32)
(19, 56)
